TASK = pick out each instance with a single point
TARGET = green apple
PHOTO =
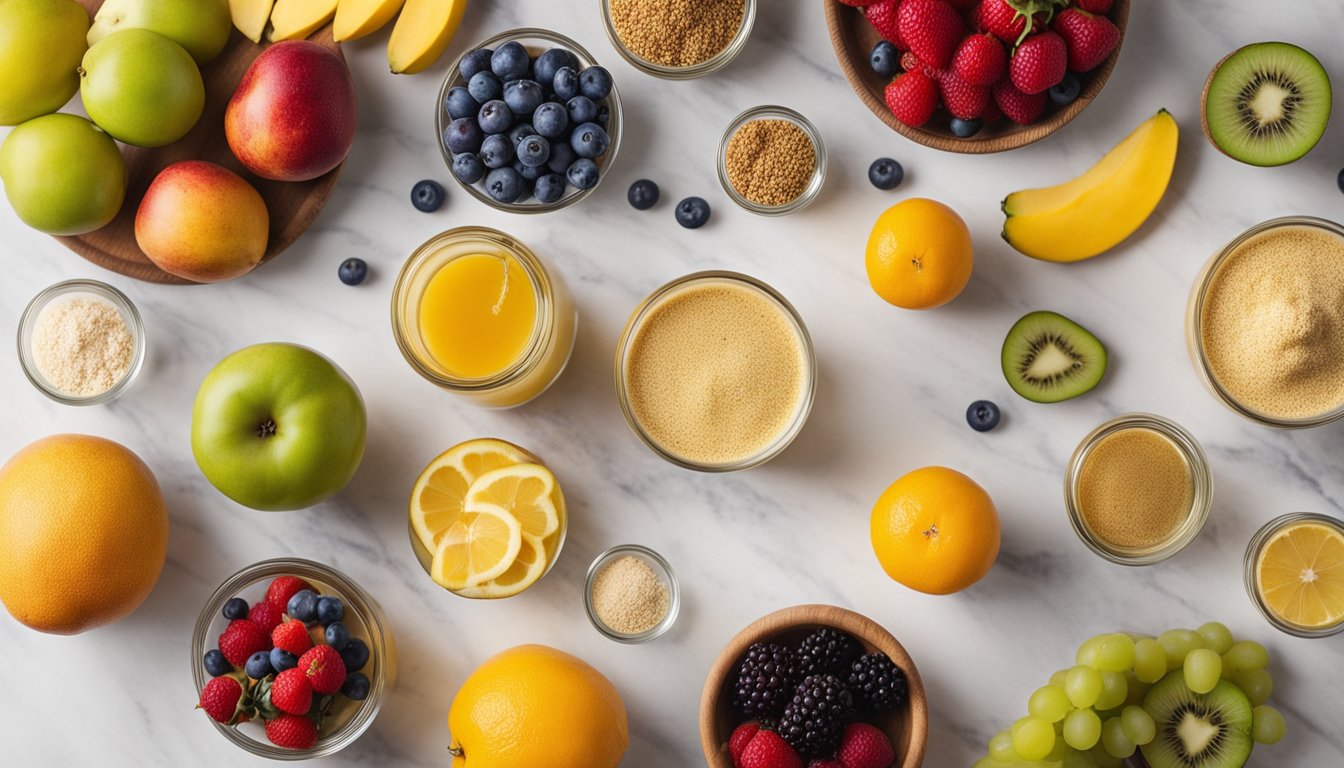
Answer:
(62, 175)
(142, 88)
(41, 43)
(200, 26)
(278, 426)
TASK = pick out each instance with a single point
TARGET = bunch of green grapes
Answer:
(1092, 715)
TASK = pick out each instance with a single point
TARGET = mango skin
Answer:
(41, 45)
(202, 222)
(63, 175)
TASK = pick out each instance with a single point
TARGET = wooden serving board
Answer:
(292, 205)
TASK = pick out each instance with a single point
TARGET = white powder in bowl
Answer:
(82, 346)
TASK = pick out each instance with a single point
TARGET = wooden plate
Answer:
(292, 205)
(853, 39)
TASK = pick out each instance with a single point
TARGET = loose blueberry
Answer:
(258, 665)
(503, 185)
(534, 150)
(581, 110)
(982, 415)
(595, 83)
(235, 608)
(427, 196)
(693, 212)
(523, 97)
(582, 174)
(216, 664)
(603, 116)
(562, 156)
(302, 606)
(355, 655)
(356, 686)
(886, 173)
(468, 168)
(459, 103)
(551, 119)
(521, 131)
(337, 635)
(589, 140)
(551, 61)
(495, 117)
(565, 84)
(885, 59)
(510, 61)
(643, 195)
(463, 135)
(476, 61)
(965, 129)
(484, 86)
(282, 660)
(549, 188)
(496, 151)
(1067, 90)
(329, 609)
(529, 174)
(352, 272)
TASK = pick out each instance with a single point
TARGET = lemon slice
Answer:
(526, 569)
(478, 547)
(526, 490)
(1301, 575)
(438, 496)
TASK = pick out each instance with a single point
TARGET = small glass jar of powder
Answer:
(771, 161)
(631, 594)
(678, 39)
(81, 342)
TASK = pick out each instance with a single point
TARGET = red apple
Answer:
(202, 222)
(293, 115)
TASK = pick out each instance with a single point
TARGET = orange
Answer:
(919, 254)
(935, 530)
(1301, 575)
(83, 530)
(534, 707)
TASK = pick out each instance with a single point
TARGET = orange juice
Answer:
(478, 314)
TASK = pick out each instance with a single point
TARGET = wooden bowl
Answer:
(853, 39)
(907, 726)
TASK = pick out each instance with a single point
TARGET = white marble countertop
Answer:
(893, 389)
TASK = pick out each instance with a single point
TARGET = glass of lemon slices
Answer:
(487, 519)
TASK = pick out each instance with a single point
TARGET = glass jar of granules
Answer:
(81, 342)
(678, 39)
(631, 594)
(771, 161)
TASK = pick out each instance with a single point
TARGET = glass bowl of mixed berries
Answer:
(291, 659)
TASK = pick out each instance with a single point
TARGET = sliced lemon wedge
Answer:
(478, 547)
(437, 500)
(526, 569)
(528, 491)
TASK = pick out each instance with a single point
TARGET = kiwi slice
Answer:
(1048, 358)
(1198, 730)
(1266, 104)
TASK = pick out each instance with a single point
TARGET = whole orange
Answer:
(936, 531)
(919, 254)
(83, 530)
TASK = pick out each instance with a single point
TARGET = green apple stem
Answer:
(266, 429)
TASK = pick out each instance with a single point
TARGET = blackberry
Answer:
(826, 651)
(814, 720)
(876, 683)
(765, 680)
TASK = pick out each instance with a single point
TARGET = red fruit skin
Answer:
(266, 616)
(980, 60)
(284, 587)
(932, 29)
(882, 15)
(1088, 38)
(291, 692)
(992, 113)
(242, 638)
(292, 636)
(1021, 108)
(864, 746)
(742, 735)
(1101, 7)
(964, 6)
(1039, 63)
(768, 749)
(912, 97)
(1003, 21)
(219, 698)
(324, 668)
(962, 99)
(292, 731)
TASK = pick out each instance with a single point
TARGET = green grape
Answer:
(1114, 740)
(1083, 686)
(1033, 739)
(1105, 759)
(1267, 725)
(1058, 678)
(1078, 760)
(1114, 689)
(1203, 669)
(1257, 684)
(1049, 703)
(1082, 729)
(1177, 644)
(1246, 654)
(1139, 726)
(1058, 751)
(1150, 661)
(1001, 747)
(1137, 689)
(1087, 652)
(1217, 637)
(1116, 653)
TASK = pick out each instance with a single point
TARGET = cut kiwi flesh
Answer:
(1048, 358)
(1266, 104)
(1197, 730)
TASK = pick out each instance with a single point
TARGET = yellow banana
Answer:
(422, 33)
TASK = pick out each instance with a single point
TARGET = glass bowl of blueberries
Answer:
(528, 122)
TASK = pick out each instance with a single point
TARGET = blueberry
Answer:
(565, 84)
(603, 116)
(352, 272)
(329, 609)
(589, 140)
(235, 608)
(1066, 91)
(427, 196)
(965, 129)
(503, 185)
(355, 655)
(356, 687)
(534, 150)
(484, 86)
(521, 131)
(259, 665)
(982, 415)
(510, 61)
(1340, 180)
(886, 173)
(549, 188)
(282, 660)
(216, 664)
(337, 635)
(303, 605)
(551, 119)
(495, 117)
(463, 135)
(562, 156)
(583, 173)
(643, 195)
(595, 83)
(459, 103)
(581, 110)
(885, 59)
(476, 61)
(523, 97)
(468, 168)
(693, 212)
(551, 61)
(496, 151)
(530, 173)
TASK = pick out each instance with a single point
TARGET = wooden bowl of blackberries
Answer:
(977, 76)
(814, 682)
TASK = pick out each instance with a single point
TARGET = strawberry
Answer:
(864, 746)
(220, 697)
(768, 749)
(964, 6)
(742, 735)
(267, 616)
(284, 587)
(992, 112)
(1017, 106)
(1039, 63)
(292, 636)
(912, 97)
(1089, 39)
(291, 692)
(242, 638)
(910, 62)
(980, 60)
(324, 668)
(292, 731)
(961, 98)
(1101, 7)
(932, 29)
(1012, 20)
(882, 15)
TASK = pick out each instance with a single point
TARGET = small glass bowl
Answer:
(363, 616)
(1251, 562)
(665, 574)
(535, 41)
(770, 112)
(712, 64)
(96, 290)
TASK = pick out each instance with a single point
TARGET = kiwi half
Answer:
(1266, 104)
(1048, 358)
(1198, 730)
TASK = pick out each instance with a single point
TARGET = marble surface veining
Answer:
(893, 388)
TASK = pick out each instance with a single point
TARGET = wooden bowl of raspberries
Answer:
(814, 685)
(977, 76)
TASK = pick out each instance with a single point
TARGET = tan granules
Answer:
(1273, 323)
(770, 162)
(1135, 489)
(677, 33)
(628, 596)
(82, 346)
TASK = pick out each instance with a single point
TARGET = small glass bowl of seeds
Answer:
(678, 39)
(81, 342)
(772, 161)
(631, 594)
